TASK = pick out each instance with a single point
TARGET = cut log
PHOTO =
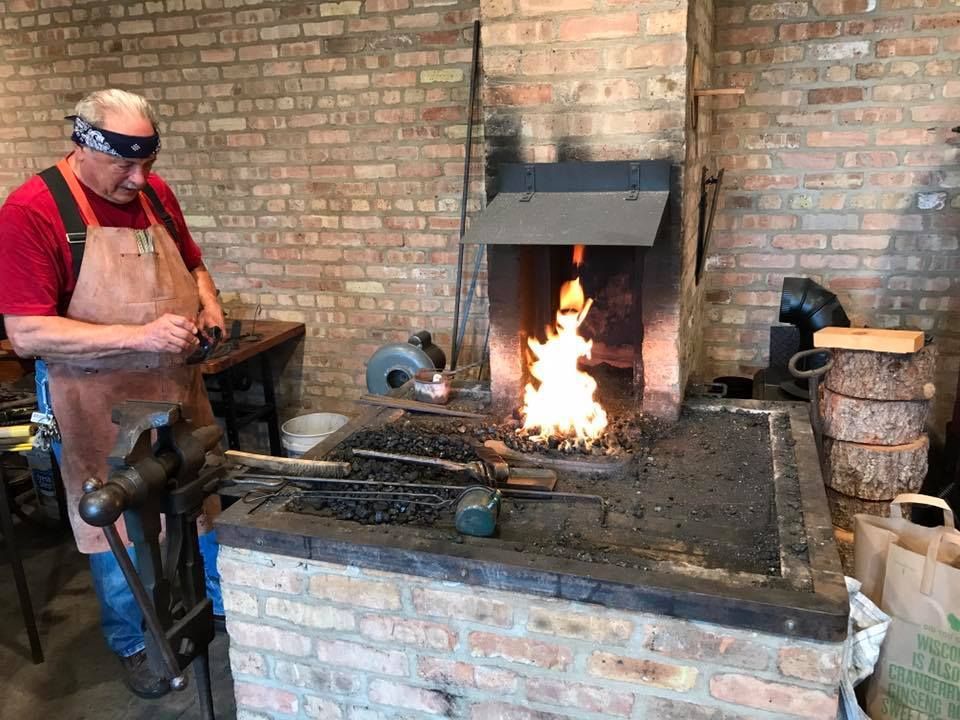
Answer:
(843, 508)
(873, 422)
(883, 376)
(875, 472)
(844, 540)
(878, 340)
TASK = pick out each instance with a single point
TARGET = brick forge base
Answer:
(318, 640)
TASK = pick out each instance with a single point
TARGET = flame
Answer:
(578, 255)
(563, 403)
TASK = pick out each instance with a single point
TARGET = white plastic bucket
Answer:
(301, 433)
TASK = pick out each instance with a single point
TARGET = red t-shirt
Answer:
(36, 267)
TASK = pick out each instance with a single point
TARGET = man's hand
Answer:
(167, 334)
(211, 316)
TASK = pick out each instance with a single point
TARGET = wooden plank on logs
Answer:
(890, 341)
(883, 376)
(875, 472)
(873, 422)
(843, 508)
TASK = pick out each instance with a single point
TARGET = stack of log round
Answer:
(874, 408)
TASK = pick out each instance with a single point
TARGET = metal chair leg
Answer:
(19, 577)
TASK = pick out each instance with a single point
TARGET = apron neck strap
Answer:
(79, 196)
(83, 203)
(148, 209)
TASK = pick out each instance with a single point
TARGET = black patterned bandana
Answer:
(112, 143)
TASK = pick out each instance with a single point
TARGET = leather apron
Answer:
(128, 277)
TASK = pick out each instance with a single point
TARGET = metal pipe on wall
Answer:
(467, 156)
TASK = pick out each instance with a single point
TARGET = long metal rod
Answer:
(175, 677)
(417, 459)
(483, 353)
(276, 481)
(467, 156)
(516, 493)
(478, 258)
(416, 406)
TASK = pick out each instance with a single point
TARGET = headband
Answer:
(113, 143)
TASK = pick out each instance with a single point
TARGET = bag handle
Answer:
(917, 499)
(933, 551)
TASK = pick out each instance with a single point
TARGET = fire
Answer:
(578, 255)
(563, 403)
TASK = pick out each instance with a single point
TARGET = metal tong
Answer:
(491, 468)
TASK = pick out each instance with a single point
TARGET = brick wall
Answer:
(837, 168)
(606, 80)
(317, 150)
(318, 640)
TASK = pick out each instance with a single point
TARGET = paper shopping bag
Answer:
(918, 672)
(873, 536)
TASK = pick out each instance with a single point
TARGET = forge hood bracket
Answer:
(575, 203)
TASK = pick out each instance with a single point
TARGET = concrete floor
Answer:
(80, 679)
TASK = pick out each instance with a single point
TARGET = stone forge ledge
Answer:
(811, 603)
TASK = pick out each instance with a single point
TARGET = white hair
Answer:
(94, 107)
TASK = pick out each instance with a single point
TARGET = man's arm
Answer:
(211, 314)
(59, 338)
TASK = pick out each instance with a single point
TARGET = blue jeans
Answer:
(120, 616)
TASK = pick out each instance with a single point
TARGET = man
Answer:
(101, 280)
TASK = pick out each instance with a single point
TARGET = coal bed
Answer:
(720, 516)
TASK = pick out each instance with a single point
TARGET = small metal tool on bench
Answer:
(491, 468)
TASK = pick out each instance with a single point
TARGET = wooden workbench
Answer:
(256, 339)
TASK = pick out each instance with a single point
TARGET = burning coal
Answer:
(562, 402)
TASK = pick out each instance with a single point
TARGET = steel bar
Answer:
(293, 480)
(467, 157)
(413, 498)
(404, 404)
(450, 465)
(174, 675)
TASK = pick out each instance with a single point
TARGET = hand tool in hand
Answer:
(208, 340)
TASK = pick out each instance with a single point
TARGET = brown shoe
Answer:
(140, 679)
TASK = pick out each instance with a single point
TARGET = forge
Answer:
(666, 562)
(678, 559)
